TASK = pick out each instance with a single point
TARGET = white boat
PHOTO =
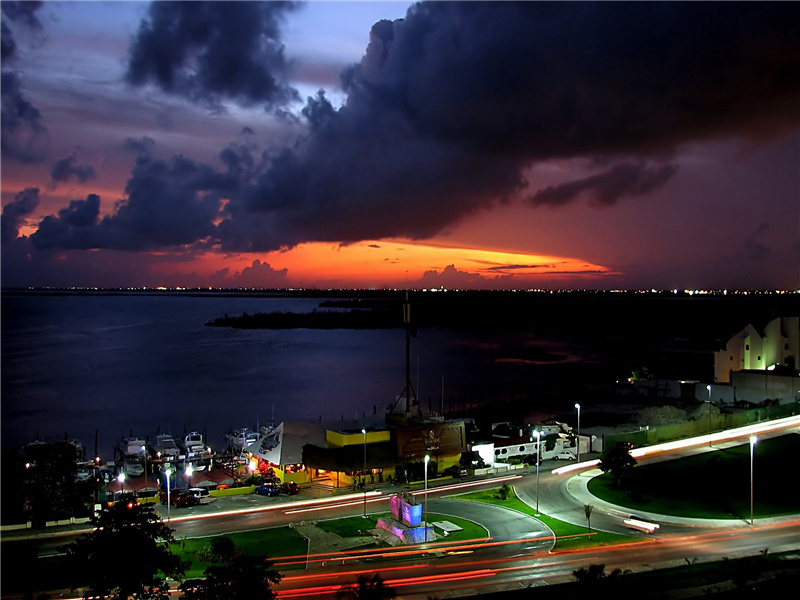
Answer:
(240, 439)
(135, 446)
(132, 465)
(163, 446)
(192, 445)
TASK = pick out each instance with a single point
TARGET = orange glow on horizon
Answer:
(400, 263)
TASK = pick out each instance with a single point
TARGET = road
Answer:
(519, 552)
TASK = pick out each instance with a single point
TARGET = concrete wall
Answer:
(764, 385)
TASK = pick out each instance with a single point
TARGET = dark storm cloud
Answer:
(8, 46)
(14, 213)
(212, 51)
(610, 186)
(168, 203)
(68, 167)
(447, 111)
(23, 137)
(23, 12)
(450, 106)
(72, 228)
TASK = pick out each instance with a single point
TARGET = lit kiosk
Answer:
(406, 521)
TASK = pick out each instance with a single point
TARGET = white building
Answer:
(752, 349)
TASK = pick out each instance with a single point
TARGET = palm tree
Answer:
(587, 510)
(367, 588)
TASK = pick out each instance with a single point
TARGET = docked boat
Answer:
(240, 439)
(132, 446)
(192, 445)
(132, 465)
(163, 446)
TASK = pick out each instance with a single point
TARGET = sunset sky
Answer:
(389, 144)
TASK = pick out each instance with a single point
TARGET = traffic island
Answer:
(405, 524)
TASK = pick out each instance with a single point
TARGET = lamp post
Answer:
(708, 387)
(753, 440)
(538, 435)
(578, 406)
(121, 479)
(364, 474)
(144, 452)
(425, 508)
(168, 472)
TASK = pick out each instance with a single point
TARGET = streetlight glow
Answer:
(538, 435)
(364, 485)
(425, 508)
(578, 406)
(708, 387)
(168, 472)
(144, 451)
(753, 440)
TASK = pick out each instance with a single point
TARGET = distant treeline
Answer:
(353, 319)
(663, 319)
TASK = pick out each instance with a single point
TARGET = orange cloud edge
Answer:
(396, 263)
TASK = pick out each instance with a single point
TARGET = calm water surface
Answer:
(113, 365)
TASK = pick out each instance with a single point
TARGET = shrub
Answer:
(505, 492)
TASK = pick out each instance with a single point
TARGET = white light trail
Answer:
(719, 436)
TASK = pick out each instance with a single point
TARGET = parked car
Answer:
(179, 498)
(201, 494)
(290, 487)
(565, 456)
(268, 489)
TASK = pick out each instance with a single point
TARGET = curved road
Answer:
(519, 552)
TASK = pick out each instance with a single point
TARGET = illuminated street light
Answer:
(168, 472)
(708, 387)
(121, 479)
(753, 440)
(144, 451)
(538, 435)
(578, 406)
(364, 484)
(425, 508)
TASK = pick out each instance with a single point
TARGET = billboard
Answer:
(435, 439)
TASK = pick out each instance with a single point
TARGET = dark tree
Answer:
(597, 573)
(243, 577)
(367, 588)
(616, 460)
(49, 484)
(128, 554)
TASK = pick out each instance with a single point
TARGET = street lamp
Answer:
(538, 435)
(753, 440)
(425, 508)
(144, 451)
(121, 479)
(578, 406)
(708, 387)
(364, 475)
(168, 472)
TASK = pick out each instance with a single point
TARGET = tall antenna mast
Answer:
(407, 322)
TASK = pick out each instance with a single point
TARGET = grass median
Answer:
(568, 536)
(711, 485)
